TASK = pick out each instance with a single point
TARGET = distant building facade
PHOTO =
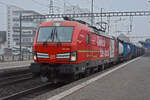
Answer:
(10, 24)
(146, 43)
(28, 28)
(13, 27)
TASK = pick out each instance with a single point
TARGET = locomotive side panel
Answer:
(83, 47)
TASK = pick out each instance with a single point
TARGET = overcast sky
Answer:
(141, 25)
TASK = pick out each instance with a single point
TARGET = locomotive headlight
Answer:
(73, 56)
(34, 57)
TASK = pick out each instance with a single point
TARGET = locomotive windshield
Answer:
(55, 34)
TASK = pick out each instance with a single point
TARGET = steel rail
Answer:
(15, 79)
(25, 92)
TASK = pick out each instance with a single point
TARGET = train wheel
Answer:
(74, 77)
(99, 68)
(109, 65)
(87, 72)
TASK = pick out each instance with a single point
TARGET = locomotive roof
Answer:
(56, 21)
(92, 28)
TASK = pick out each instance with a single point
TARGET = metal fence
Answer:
(8, 58)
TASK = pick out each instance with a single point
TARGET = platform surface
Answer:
(131, 82)
(17, 64)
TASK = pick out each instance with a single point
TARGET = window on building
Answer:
(16, 25)
(16, 13)
(15, 19)
(27, 32)
(16, 31)
(27, 39)
(16, 39)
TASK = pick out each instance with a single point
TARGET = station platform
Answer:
(16, 64)
(129, 81)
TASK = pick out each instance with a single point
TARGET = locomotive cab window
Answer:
(55, 34)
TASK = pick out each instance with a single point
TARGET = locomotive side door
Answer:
(88, 53)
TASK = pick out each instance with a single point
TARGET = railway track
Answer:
(12, 72)
(25, 92)
(15, 79)
(44, 87)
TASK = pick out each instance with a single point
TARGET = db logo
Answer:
(52, 56)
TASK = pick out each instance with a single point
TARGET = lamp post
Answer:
(92, 8)
(20, 35)
(101, 16)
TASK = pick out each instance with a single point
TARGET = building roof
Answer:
(13, 6)
(27, 11)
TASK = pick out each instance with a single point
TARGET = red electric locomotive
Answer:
(70, 48)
